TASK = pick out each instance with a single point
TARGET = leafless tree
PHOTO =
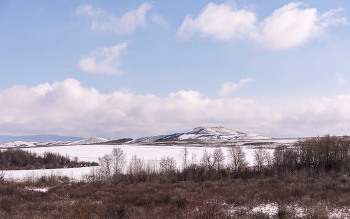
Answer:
(152, 167)
(167, 165)
(237, 158)
(111, 165)
(184, 157)
(218, 158)
(2, 176)
(260, 158)
(213, 160)
(118, 157)
(105, 163)
(206, 160)
(136, 165)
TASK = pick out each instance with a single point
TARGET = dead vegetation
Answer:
(309, 181)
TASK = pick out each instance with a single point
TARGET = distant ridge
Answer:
(119, 141)
(204, 133)
(37, 138)
(93, 140)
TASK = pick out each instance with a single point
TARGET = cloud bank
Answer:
(290, 26)
(104, 21)
(105, 60)
(69, 108)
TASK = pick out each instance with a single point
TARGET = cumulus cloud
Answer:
(104, 21)
(158, 19)
(293, 25)
(105, 60)
(69, 108)
(230, 86)
(290, 26)
(220, 22)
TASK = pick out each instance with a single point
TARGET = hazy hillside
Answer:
(37, 138)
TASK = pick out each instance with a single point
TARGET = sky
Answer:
(134, 68)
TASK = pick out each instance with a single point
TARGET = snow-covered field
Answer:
(93, 152)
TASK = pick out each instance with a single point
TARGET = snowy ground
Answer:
(93, 152)
(272, 209)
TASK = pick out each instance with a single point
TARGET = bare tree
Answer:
(136, 165)
(112, 164)
(278, 159)
(2, 176)
(152, 167)
(213, 160)
(105, 163)
(206, 160)
(237, 158)
(218, 158)
(167, 165)
(184, 157)
(118, 157)
(260, 158)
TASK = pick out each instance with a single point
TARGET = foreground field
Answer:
(295, 196)
(309, 180)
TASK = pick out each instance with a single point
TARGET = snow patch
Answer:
(38, 189)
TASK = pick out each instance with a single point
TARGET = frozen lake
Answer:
(93, 152)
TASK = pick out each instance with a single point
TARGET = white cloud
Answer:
(290, 26)
(293, 25)
(340, 80)
(104, 21)
(220, 22)
(158, 19)
(105, 60)
(230, 86)
(68, 108)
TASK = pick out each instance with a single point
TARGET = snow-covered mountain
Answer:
(93, 140)
(199, 133)
(204, 133)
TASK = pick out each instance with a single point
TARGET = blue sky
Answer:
(134, 68)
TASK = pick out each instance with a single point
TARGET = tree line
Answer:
(11, 159)
(310, 156)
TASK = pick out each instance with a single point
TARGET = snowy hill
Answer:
(33, 144)
(37, 138)
(149, 139)
(93, 140)
(204, 133)
(17, 144)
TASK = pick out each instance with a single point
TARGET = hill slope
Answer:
(204, 133)
(92, 140)
(37, 138)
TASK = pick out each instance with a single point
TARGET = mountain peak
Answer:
(204, 133)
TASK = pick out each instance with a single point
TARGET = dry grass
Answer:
(186, 199)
